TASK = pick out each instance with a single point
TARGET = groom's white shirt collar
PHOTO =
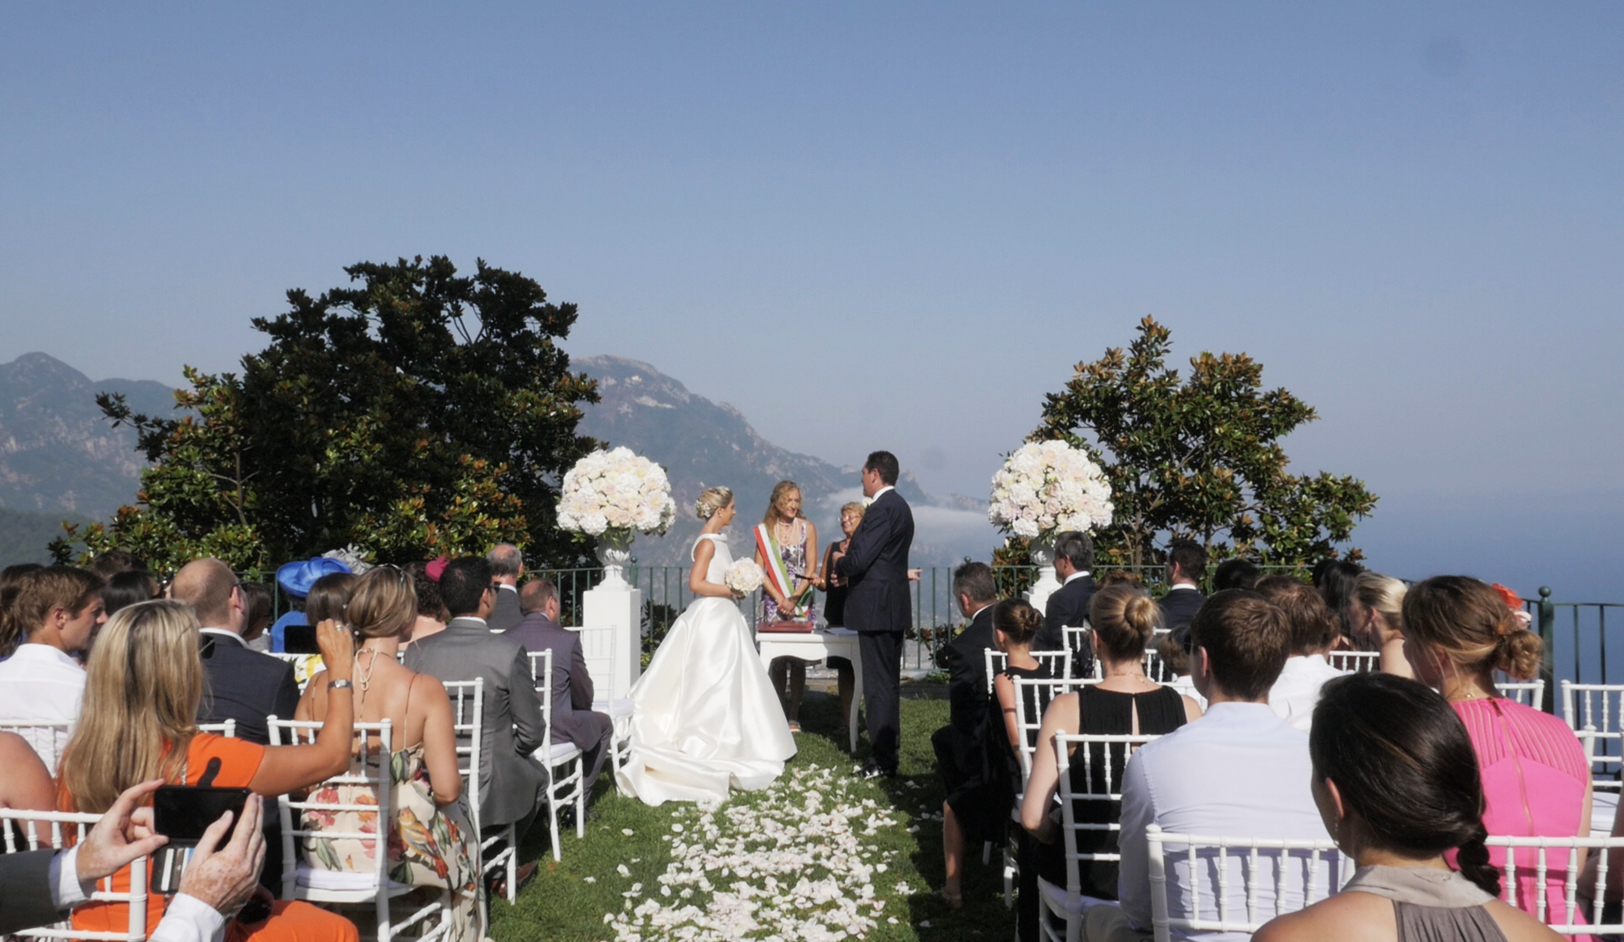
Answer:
(879, 492)
(1079, 574)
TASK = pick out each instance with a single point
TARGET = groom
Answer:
(878, 607)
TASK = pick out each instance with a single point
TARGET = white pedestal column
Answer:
(1047, 583)
(615, 610)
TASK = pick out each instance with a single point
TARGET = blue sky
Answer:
(888, 225)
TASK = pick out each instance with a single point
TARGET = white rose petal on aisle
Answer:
(744, 576)
(1048, 487)
(616, 490)
(795, 861)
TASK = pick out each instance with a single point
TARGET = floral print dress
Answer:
(429, 846)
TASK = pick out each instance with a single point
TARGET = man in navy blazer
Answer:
(570, 687)
(959, 744)
(1186, 562)
(1068, 607)
(878, 606)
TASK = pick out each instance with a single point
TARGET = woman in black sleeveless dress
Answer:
(1125, 702)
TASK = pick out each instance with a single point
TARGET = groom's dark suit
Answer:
(879, 609)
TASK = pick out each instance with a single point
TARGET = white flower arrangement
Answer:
(616, 490)
(1049, 487)
(744, 575)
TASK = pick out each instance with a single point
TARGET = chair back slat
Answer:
(1355, 662)
(1536, 853)
(47, 737)
(49, 829)
(1213, 890)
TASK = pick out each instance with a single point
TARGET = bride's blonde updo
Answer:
(711, 501)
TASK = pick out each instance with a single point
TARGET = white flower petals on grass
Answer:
(783, 863)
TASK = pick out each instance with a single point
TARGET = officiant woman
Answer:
(787, 550)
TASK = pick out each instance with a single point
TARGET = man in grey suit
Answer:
(513, 786)
(571, 685)
(507, 565)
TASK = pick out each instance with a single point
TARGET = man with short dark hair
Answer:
(1234, 574)
(507, 565)
(879, 606)
(1068, 607)
(513, 786)
(570, 687)
(1239, 771)
(1186, 563)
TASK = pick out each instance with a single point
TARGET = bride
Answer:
(705, 715)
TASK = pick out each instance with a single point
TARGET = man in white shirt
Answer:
(1238, 771)
(507, 566)
(60, 608)
(1313, 631)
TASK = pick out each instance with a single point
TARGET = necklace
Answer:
(364, 677)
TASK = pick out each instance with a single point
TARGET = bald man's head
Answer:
(210, 587)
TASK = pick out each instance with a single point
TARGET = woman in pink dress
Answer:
(1536, 782)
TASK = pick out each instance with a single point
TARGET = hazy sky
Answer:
(884, 225)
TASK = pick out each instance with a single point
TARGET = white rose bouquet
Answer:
(616, 490)
(744, 576)
(1048, 487)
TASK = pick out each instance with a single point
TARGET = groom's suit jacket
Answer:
(876, 567)
(467, 650)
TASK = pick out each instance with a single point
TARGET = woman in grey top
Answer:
(1396, 780)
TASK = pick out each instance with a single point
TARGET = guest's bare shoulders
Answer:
(1351, 917)
(1518, 925)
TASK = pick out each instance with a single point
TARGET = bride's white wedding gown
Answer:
(705, 715)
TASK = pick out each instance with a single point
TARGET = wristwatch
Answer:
(338, 684)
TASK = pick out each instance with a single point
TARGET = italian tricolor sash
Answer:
(775, 570)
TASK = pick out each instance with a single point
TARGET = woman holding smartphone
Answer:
(139, 722)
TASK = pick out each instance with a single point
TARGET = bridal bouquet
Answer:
(744, 576)
(616, 490)
(1048, 487)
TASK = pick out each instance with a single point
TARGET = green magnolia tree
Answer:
(415, 413)
(1199, 457)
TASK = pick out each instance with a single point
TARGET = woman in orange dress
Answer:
(139, 722)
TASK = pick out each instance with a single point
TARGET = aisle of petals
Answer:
(795, 861)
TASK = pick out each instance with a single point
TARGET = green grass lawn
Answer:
(568, 900)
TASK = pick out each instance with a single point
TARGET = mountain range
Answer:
(61, 459)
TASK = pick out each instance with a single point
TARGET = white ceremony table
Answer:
(815, 646)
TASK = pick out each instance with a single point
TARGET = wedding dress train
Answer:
(705, 716)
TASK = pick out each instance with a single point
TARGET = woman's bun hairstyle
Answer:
(1124, 618)
(1470, 623)
(1403, 762)
(712, 500)
(1018, 620)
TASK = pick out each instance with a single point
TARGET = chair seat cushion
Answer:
(614, 708)
(561, 752)
(338, 881)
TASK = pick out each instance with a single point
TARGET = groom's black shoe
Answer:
(872, 770)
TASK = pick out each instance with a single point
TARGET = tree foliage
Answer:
(1200, 457)
(414, 413)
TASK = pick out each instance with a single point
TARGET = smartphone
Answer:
(183, 812)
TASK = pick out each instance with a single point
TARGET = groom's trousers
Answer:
(881, 652)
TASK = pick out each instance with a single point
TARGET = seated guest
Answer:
(1396, 782)
(1014, 626)
(1536, 781)
(1241, 771)
(1334, 578)
(1186, 562)
(296, 578)
(431, 615)
(1313, 631)
(1376, 620)
(260, 613)
(513, 786)
(1068, 607)
(54, 612)
(1124, 703)
(435, 845)
(243, 685)
(127, 588)
(960, 745)
(507, 566)
(1234, 574)
(219, 878)
(25, 782)
(570, 686)
(140, 723)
